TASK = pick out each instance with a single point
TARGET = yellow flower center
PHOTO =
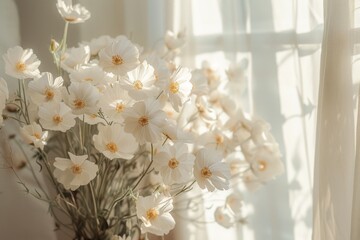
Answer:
(88, 79)
(79, 103)
(234, 167)
(143, 121)
(57, 119)
(70, 19)
(76, 169)
(174, 87)
(49, 94)
(156, 76)
(220, 217)
(152, 214)
(112, 147)
(117, 60)
(138, 85)
(205, 172)
(219, 139)
(37, 135)
(201, 109)
(173, 163)
(119, 107)
(20, 67)
(262, 165)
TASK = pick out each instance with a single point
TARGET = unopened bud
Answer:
(53, 46)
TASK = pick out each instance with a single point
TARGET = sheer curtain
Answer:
(282, 42)
(336, 187)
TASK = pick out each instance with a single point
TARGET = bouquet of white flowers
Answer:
(114, 116)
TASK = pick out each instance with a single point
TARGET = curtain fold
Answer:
(334, 157)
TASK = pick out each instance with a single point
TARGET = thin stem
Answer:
(95, 207)
(16, 119)
(26, 103)
(32, 170)
(185, 188)
(147, 169)
(63, 47)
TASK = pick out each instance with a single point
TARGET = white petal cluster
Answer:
(154, 212)
(223, 217)
(113, 142)
(266, 163)
(140, 82)
(74, 172)
(34, 134)
(175, 163)
(45, 89)
(145, 121)
(174, 41)
(72, 13)
(82, 98)
(74, 57)
(114, 102)
(209, 170)
(119, 57)
(56, 117)
(179, 87)
(21, 63)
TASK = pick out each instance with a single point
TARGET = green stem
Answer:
(95, 208)
(32, 170)
(147, 169)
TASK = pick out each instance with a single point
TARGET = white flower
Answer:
(237, 163)
(176, 134)
(74, 57)
(205, 110)
(145, 121)
(209, 171)
(266, 163)
(154, 212)
(114, 101)
(236, 72)
(56, 116)
(34, 134)
(250, 181)
(211, 74)
(113, 142)
(72, 13)
(21, 63)
(223, 217)
(174, 163)
(179, 87)
(174, 41)
(216, 139)
(235, 202)
(82, 97)
(92, 118)
(99, 43)
(119, 57)
(241, 125)
(91, 74)
(161, 70)
(74, 172)
(140, 82)
(45, 89)
(199, 82)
